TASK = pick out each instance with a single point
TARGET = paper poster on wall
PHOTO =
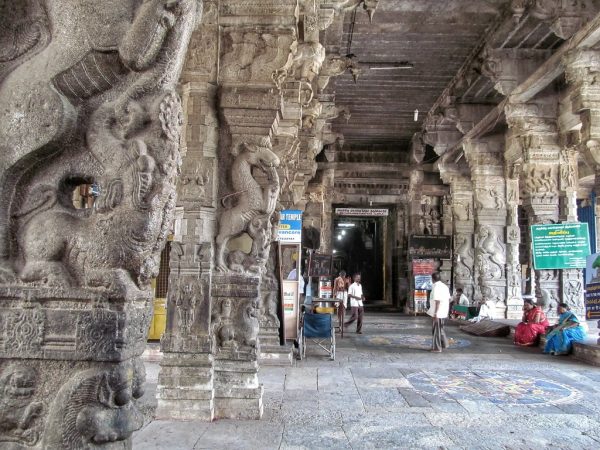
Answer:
(423, 282)
(423, 266)
(289, 291)
(290, 226)
(592, 287)
(420, 300)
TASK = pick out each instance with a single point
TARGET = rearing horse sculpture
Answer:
(255, 201)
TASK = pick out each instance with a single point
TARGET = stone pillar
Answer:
(258, 45)
(485, 158)
(532, 145)
(416, 221)
(185, 382)
(514, 299)
(327, 214)
(571, 280)
(463, 227)
(75, 297)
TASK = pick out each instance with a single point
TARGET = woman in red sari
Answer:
(533, 325)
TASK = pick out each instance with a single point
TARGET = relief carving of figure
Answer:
(541, 181)
(18, 408)
(96, 407)
(108, 76)
(248, 324)
(253, 200)
(226, 332)
(573, 294)
(464, 249)
(462, 211)
(491, 257)
(490, 198)
(187, 296)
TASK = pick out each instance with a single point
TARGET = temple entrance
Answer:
(359, 245)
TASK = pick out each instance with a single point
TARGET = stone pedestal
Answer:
(185, 386)
(70, 367)
(238, 394)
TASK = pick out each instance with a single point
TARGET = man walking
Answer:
(439, 300)
(355, 294)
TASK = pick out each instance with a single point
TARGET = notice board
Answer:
(430, 246)
(560, 245)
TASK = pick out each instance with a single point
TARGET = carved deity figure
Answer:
(254, 202)
(186, 300)
(91, 105)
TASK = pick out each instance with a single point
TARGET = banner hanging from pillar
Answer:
(560, 246)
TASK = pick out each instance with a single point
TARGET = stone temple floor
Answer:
(385, 391)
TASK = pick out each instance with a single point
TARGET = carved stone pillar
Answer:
(75, 297)
(571, 280)
(185, 384)
(514, 299)
(416, 222)
(532, 146)
(485, 158)
(463, 227)
(258, 54)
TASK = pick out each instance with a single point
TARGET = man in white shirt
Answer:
(439, 300)
(355, 294)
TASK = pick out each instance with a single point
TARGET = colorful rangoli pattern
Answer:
(501, 388)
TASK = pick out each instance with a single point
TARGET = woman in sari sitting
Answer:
(534, 324)
(559, 340)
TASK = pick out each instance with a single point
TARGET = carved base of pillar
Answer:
(185, 387)
(238, 395)
(70, 372)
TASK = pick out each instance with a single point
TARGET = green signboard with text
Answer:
(560, 246)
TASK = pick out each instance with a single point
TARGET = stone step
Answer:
(276, 355)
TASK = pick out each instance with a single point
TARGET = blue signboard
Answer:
(592, 287)
(290, 226)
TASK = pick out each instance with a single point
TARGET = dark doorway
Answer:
(358, 246)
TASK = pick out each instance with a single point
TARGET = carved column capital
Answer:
(582, 72)
(564, 17)
(533, 132)
(440, 130)
(507, 68)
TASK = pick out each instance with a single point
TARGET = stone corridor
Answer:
(385, 391)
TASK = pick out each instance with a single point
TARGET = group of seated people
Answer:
(559, 337)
